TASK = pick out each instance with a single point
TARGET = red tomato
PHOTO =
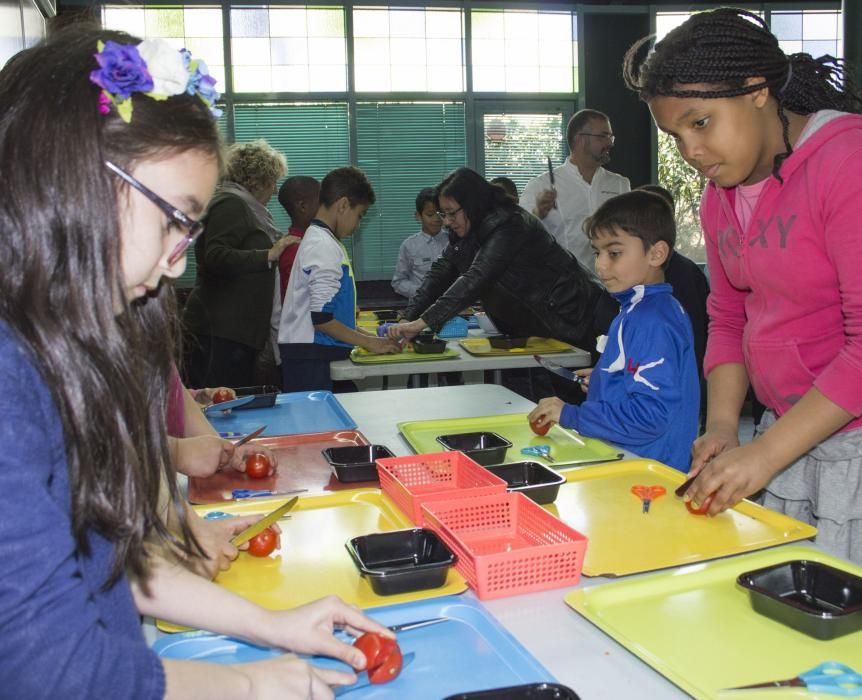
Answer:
(257, 465)
(703, 506)
(263, 544)
(222, 395)
(382, 655)
(540, 429)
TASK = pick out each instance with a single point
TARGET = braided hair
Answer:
(725, 47)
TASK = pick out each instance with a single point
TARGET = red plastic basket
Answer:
(412, 481)
(506, 544)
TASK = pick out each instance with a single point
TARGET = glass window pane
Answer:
(252, 78)
(388, 40)
(250, 52)
(203, 22)
(289, 51)
(820, 26)
(326, 22)
(249, 22)
(535, 49)
(787, 25)
(328, 78)
(210, 50)
(288, 21)
(327, 52)
(820, 48)
(290, 79)
(124, 20)
(790, 47)
(445, 78)
(162, 22)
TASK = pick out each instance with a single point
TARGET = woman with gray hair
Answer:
(227, 315)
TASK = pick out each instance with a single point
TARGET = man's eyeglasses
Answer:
(450, 215)
(610, 138)
(194, 228)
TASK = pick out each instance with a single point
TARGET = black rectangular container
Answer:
(401, 561)
(534, 480)
(484, 448)
(507, 342)
(264, 396)
(428, 344)
(355, 462)
(819, 600)
(386, 315)
(530, 691)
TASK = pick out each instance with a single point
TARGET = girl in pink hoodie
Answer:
(780, 139)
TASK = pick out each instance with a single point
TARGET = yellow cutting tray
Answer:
(697, 628)
(624, 540)
(535, 346)
(313, 561)
(361, 356)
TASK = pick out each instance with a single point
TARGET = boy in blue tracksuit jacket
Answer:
(644, 392)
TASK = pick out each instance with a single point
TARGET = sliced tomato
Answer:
(382, 655)
(222, 394)
(702, 508)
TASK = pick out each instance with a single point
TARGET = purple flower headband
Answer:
(153, 68)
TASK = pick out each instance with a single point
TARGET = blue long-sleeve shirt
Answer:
(61, 635)
(644, 390)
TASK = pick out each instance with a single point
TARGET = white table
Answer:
(578, 654)
(473, 366)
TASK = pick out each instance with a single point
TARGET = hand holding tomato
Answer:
(258, 465)
(540, 429)
(383, 657)
(264, 543)
(545, 414)
(702, 509)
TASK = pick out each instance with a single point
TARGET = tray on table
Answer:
(300, 466)
(476, 652)
(535, 346)
(696, 627)
(293, 414)
(312, 561)
(624, 540)
(567, 447)
(361, 356)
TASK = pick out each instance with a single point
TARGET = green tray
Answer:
(567, 447)
(362, 357)
(696, 627)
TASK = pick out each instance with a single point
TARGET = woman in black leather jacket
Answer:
(502, 255)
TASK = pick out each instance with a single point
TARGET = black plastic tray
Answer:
(401, 561)
(355, 462)
(531, 691)
(507, 342)
(534, 480)
(483, 447)
(264, 396)
(428, 344)
(816, 599)
(386, 315)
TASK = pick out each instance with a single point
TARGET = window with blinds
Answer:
(518, 146)
(313, 137)
(401, 147)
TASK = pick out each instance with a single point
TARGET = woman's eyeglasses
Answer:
(450, 215)
(194, 228)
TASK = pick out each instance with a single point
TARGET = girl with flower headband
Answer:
(108, 155)
(780, 139)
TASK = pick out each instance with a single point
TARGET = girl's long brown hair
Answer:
(62, 281)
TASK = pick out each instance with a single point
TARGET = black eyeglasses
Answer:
(610, 138)
(449, 214)
(195, 228)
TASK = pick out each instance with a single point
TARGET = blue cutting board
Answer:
(470, 652)
(293, 414)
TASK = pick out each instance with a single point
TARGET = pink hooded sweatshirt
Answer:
(786, 294)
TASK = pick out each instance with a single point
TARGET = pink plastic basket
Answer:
(412, 481)
(506, 544)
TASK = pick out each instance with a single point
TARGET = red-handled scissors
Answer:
(647, 494)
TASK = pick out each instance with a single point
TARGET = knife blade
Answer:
(216, 408)
(559, 370)
(253, 434)
(551, 175)
(364, 681)
(263, 523)
(405, 626)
